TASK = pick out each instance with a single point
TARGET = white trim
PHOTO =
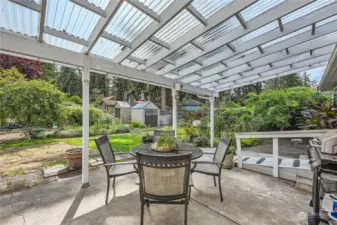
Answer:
(90, 6)
(65, 36)
(28, 4)
(116, 39)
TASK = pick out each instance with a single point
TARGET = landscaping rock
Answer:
(52, 171)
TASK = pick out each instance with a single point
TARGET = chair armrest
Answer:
(208, 162)
(120, 163)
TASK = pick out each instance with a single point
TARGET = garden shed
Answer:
(123, 111)
(147, 113)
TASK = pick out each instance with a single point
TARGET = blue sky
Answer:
(316, 74)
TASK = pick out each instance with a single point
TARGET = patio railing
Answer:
(275, 136)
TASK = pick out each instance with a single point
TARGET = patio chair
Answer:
(157, 133)
(214, 167)
(164, 180)
(113, 169)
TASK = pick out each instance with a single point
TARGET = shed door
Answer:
(118, 113)
(151, 117)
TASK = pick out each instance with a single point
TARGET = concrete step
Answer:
(304, 184)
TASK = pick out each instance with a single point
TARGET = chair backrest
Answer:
(158, 133)
(105, 149)
(164, 177)
(221, 150)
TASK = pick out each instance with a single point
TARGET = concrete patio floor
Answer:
(249, 198)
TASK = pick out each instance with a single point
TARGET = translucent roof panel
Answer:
(285, 37)
(191, 78)
(106, 49)
(171, 76)
(130, 63)
(218, 31)
(177, 27)
(63, 15)
(215, 52)
(255, 33)
(328, 20)
(258, 8)
(208, 7)
(147, 50)
(157, 6)
(59, 42)
(158, 66)
(181, 52)
(18, 18)
(306, 10)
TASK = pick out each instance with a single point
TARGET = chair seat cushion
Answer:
(206, 168)
(121, 169)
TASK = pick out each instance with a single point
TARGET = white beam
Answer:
(30, 4)
(211, 102)
(90, 6)
(329, 79)
(137, 60)
(42, 19)
(197, 14)
(103, 22)
(231, 47)
(174, 110)
(116, 39)
(269, 16)
(85, 121)
(218, 17)
(198, 61)
(65, 36)
(295, 43)
(166, 16)
(196, 44)
(241, 20)
(144, 9)
(169, 61)
(160, 42)
(28, 47)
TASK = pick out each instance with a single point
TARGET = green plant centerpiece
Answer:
(165, 143)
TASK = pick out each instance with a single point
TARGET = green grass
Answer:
(119, 143)
(21, 143)
(54, 163)
(13, 173)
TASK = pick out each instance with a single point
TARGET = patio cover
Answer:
(201, 46)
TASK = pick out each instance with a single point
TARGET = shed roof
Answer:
(143, 105)
(209, 45)
(123, 104)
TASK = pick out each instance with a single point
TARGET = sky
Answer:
(316, 74)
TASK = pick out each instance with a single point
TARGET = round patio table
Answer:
(182, 149)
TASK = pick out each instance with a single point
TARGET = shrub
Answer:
(137, 124)
(122, 129)
(251, 141)
(74, 115)
(76, 99)
(202, 141)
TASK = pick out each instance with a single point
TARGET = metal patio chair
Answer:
(214, 167)
(157, 133)
(164, 180)
(113, 169)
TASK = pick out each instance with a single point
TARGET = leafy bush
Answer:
(73, 115)
(122, 129)
(137, 124)
(202, 141)
(76, 99)
(251, 141)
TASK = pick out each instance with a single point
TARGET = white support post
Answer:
(238, 152)
(211, 101)
(174, 110)
(85, 121)
(275, 157)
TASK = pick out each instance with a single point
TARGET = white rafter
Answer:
(103, 22)
(42, 18)
(90, 6)
(290, 27)
(166, 16)
(160, 42)
(197, 14)
(30, 4)
(218, 17)
(65, 36)
(116, 39)
(144, 9)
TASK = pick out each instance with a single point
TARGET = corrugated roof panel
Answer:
(147, 50)
(208, 7)
(241, 55)
(213, 66)
(218, 31)
(129, 63)
(63, 15)
(106, 49)
(18, 18)
(305, 10)
(210, 78)
(171, 76)
(195, 83)
(59, 42)
(215, 52)
(128, 22)
(157, 6)
(255, 33)
(177, 27)
(100, 3)
(188, 79)
(285, 37)
(158, 66)
(181, 52)
(328, 20)
(187, 65)
(258, 8)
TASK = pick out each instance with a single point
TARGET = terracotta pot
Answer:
(74, 158)
(228, 162)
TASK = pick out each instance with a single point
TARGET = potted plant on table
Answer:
(228, 162)
(165, 143)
